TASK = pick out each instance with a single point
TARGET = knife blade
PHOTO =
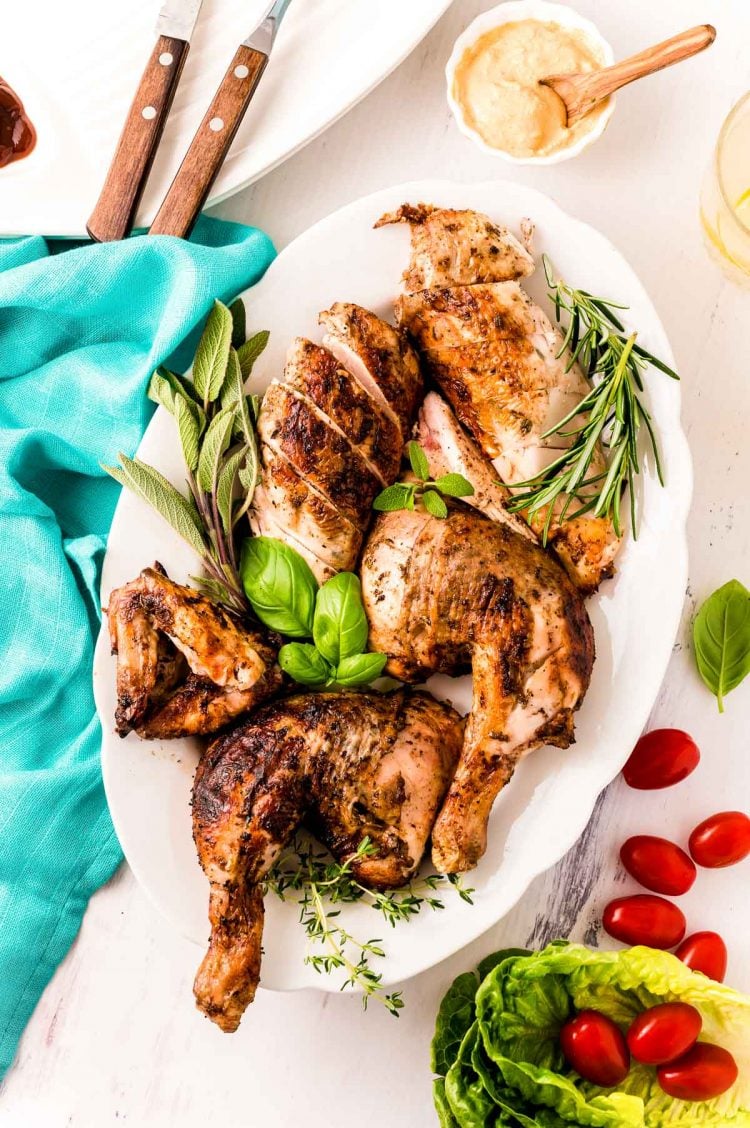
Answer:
(213, 139)
(115, 210)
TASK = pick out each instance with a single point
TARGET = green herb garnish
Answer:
(403, 495)
(721, 636)
(215, 422)
(323, 883)
(284, 594)
(612, 414)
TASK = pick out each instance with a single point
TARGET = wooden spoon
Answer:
(579, 93)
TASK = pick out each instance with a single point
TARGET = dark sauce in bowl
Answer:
(17, 134)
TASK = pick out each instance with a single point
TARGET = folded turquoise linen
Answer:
(80, 334)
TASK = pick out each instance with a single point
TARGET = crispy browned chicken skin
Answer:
(185, 666)
(449, 596)
(351, 765)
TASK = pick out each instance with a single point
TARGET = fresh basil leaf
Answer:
(188, 431)
(434, 504)
(340, 625)
(400, 496)
(454, 485)
(279, 585)
(360, 669)
(721, 635)
(304, 663)
(418, 460)
(161, 495)
(251, 350)
(225, 489)
(212, 354)
(239, 324)
(214, 444)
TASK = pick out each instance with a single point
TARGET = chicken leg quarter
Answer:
(464, 593)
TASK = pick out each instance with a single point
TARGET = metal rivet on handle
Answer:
(166, 59)
(241, 71)
(216, 124)
(149, 112)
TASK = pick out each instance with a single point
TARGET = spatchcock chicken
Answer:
(348, 764)
(464, 594)
(185, 665)
(331, 433)
(494, 354)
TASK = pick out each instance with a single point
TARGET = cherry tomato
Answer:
(661, 758)
(658, 864)
(706, 952)
(721, 840)
(701, 1074)
(645, 919)
(596, 1048)
(664, 1033)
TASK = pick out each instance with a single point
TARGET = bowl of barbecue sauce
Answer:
(17, 133)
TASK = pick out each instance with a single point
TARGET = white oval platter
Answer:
(542, 812)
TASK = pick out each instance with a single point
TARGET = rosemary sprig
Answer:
(216, 423)
(610, 416)
(321, 882)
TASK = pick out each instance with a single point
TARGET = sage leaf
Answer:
(251, 350)
(434, 504)
(454, 485)
(214, 444)
(239, 324)
(212, 354)
(161, 391)
(392, 498)
(418, 460)
(721, 635)
(249, 474)
(214, 589)
(360, 669)
(340, 625)
(233, 395)
(279, 585)
(161, 495)
(303, 662)
(189, 432)
(225, 488)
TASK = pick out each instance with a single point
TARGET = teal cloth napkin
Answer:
(80, 334)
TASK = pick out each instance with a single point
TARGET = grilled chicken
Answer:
(184, 664)
(351, 765)
(452, 247)
(331, 434)
(449, 450)
(449, 596)
(495, 356)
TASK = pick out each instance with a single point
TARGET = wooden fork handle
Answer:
(592, 88)
(209, 147)
(114, 213)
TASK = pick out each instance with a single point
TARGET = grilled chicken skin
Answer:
(494, 354)
(349, 764)
(184, 665)
(449, 596)
(332, 431)
(450, 247)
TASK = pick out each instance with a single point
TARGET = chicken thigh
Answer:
(459, 594)
(351, 765)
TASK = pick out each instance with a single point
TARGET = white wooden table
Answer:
(116, 1038)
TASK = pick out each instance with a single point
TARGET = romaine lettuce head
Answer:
(497, 1041)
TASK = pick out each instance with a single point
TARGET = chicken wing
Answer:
(352, 765)
(184, 664)
(459, 594)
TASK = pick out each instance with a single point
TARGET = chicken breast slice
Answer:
(450, 248)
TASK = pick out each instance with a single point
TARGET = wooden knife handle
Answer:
(114, 213)
(209, 147)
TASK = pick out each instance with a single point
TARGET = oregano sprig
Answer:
(430, 491)
(215, 421)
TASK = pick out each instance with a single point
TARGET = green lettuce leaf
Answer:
(469, 1101)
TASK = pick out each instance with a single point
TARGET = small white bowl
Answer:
(545, 12)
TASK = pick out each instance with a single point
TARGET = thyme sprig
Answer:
(215, 420)
(610, 416)
(320, 883)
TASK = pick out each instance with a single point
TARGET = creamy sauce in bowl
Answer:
(496, 85)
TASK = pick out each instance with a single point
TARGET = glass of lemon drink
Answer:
(725, 198)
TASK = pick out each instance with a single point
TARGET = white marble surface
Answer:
(116, 1039)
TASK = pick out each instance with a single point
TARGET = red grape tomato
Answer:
(664, 1033)
(595, 1047)
(661, 758)
(721, 840)
(645, 919)
(706, 952)
(701, 1074)
(658, 864)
